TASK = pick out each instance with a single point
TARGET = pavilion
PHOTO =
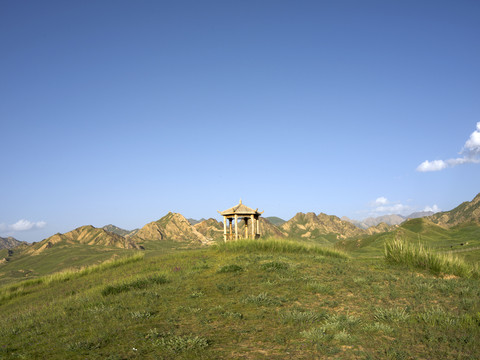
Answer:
(244, 213)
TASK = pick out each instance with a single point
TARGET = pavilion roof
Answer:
(240, 209)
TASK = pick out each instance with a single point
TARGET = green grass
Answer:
(63, 257)
(229, 303)
(462, 240)
(273, 245)
(21, 288)
(140, 283)
(419, 256)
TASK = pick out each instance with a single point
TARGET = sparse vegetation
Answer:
(208, 304)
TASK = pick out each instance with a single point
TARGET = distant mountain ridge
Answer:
(392, 219)
(310, 225)
(211, 229)
(172, 226)
(194, 221)
(455, 229)
(119, 231)
(274, 220)
(88, 235)
(466, 212)
(176, 227)
(10, 242)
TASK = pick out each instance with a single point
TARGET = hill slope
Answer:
(209, 304)
(311, 226)
(467, 212)
(211, 229)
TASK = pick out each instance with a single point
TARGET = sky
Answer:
(121, 111)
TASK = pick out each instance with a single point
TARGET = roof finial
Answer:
(240, 201)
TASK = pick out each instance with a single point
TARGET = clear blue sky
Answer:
(120, 111)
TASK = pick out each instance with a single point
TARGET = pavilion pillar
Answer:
(252, 217)
(236, 227)
(230, 226)
(246, 227)
(258, 227)
(225, 229)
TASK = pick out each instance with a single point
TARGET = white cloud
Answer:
(472, 146)
(470, 152)
(23, 225)
(392, 209)
(433, 208)
(381, 201)
(434, 165)
(383, 206)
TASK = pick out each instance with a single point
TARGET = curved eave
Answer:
(229, 213)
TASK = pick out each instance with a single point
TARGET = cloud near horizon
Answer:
(382, 206)
(470, 152)
(22, 225)
(433, 208)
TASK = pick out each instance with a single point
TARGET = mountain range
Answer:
(393, 219)
(462, 223)
(455, 230)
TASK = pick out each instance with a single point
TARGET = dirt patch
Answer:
(448, 276)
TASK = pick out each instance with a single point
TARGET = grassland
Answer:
(463, 240)
(23, 266)
(240, 301)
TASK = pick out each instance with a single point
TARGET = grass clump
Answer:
(140, 283)
(275, 266)
(296, 316)
(402, 252)
(394, 314)
(232, 268)
(177, 343)
(273, 245)
(334, 327)
(320, 288)
(262, 299)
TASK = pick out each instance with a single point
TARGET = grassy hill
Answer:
(272, 302)
(22, 265)
(463, 239)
